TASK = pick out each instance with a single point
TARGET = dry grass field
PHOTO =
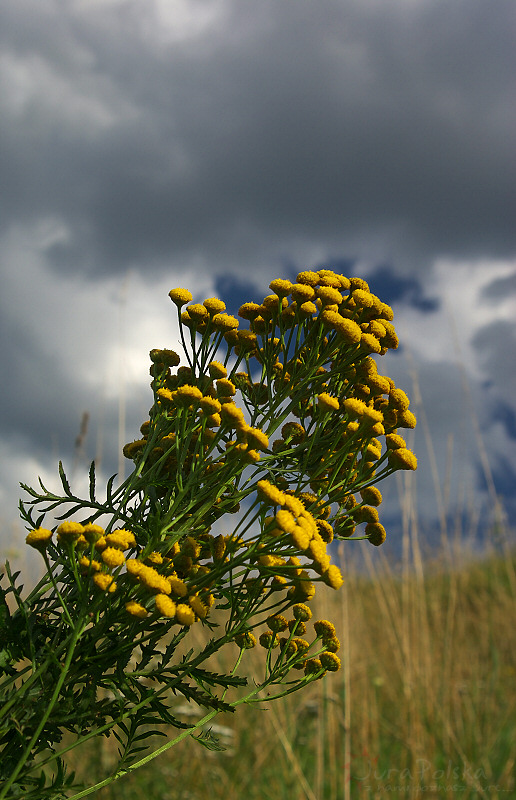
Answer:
(424, 706)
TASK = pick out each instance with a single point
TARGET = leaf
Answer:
(64, 480)
(92, 481)
(5, 614)
(209, 741)
(204, 699)
(43, 486)
(201, 676)
(70, 512)
(40, 520)
(30, 490)
(109, 489)
(6, 660)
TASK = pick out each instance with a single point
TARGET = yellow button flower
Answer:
(225, 388)
(330, 661)
(302, 292)
(406, 419)
(188, 395)
(104, 582)
(376, 533)
(256, 438)
(112, 557)
(269, 493)
(214, 305)
(121, 539)
(89, 566)
(185, 615)
(371, 495)
(286, 521)
(280, 287)
(217, 370)
(299, 538)
(329, 296)
(327, 403)
(136, 610)
(402, 459)
(180, 296)
(152, 580)
(69, 532)
(225, 322)
(324, 629)
(92, 533)
(370, 343)
(301, 612)
(165, 606)
(333, 577)
(309, 277)
(39, 538)
(249, 311)
(231, 415)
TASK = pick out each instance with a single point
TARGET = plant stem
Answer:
(28, 750)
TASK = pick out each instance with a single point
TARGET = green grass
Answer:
(424, 707)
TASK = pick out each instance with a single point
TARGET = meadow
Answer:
(424, 707)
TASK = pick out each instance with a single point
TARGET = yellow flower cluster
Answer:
(294, 648)
(302, 365)
(341, 321)
(286, 415)
(298, 526)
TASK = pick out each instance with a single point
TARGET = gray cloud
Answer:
(349, 127)
(222, 139)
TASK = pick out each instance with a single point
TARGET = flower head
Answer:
(92, 533)
(135, 609)
(301, 612)
(402, 458)
(180, 296)
(214, 305)
(70, 532)
(245, 640)
(376, 533)
(313, 666)
(112, 557)
(185, 615)
(309, 277)
(333, 577)
(249, 311)
(165, 606)
(120, 539)
(324, 629)
(39, 538)
(104, 582)
(330, 661)
(224, 322)
(327, 402)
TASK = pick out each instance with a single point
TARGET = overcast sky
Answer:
(217, 144)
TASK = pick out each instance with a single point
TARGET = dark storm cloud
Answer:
(504, 480)
(352, 127)
(495, 345)
(507, 416)
(391, 287)
(500, 288)
(221, 151)
(43, 403)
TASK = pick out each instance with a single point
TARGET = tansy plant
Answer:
(283, 422)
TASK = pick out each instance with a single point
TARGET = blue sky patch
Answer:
(236, 291)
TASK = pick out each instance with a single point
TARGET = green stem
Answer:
(53, 700)
(146, 759)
